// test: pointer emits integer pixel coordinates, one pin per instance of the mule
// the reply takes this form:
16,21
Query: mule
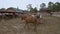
29,19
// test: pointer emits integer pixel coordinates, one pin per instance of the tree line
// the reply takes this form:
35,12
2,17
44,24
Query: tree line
54,7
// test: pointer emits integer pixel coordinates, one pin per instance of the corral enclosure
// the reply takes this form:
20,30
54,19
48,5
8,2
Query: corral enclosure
51,25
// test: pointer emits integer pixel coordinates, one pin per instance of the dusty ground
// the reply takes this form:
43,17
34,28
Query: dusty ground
16,26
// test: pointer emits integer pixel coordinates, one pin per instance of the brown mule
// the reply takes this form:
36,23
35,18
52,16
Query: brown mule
30,19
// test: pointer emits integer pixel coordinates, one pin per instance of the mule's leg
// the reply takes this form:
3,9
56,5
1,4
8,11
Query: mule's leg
35,27
25,25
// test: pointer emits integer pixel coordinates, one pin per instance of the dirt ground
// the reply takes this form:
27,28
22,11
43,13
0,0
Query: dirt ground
51,25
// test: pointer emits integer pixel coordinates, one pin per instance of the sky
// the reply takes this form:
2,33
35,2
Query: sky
21,4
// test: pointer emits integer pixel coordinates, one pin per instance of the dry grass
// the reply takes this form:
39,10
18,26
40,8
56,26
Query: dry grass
16,26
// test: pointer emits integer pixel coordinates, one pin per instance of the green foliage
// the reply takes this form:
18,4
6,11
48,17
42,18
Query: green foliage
57,6
42,5
54,6
51,6
34,10
31,9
